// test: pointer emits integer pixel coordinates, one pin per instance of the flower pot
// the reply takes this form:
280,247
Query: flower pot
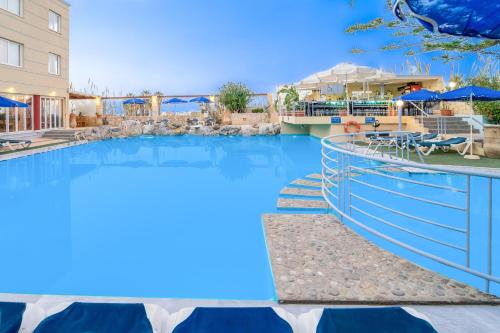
98,120
72,120
446,113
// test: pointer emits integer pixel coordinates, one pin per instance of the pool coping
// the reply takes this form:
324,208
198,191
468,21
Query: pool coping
44,149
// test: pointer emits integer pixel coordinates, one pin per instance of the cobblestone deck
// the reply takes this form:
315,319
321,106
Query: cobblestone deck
302,204
301,191
316,259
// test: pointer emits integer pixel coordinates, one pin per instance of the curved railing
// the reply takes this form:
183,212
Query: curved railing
440,214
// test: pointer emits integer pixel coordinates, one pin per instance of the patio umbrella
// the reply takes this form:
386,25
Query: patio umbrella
471,93
175,100
199,100
134,101
422,95
10,103
473,18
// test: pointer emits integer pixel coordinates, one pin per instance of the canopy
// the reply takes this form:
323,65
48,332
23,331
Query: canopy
174,101
343,73
136,101
473,18
10,103
471,92
200,100
422,95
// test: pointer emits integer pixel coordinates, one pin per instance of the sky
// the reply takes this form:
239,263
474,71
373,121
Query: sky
195,46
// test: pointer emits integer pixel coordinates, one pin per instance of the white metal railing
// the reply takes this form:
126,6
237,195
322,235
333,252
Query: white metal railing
424,215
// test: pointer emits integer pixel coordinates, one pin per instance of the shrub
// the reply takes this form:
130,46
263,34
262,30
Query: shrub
258,110
235,97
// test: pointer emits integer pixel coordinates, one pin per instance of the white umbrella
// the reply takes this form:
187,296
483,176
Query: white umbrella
343,73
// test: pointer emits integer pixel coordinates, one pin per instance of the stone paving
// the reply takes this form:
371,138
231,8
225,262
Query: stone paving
302,204
301,191
316,259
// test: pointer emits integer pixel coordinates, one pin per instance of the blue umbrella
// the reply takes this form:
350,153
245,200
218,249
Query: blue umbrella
422,95
473,18
200,100
174,101
473,93
10,103
136,101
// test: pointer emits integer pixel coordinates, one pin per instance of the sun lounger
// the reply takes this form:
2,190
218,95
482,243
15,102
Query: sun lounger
445,145
99,317
373,320
13,144
235,320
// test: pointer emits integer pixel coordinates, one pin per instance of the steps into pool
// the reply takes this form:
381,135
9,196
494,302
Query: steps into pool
303,195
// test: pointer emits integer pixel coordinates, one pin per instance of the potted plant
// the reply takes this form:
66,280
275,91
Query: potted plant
98,119
72,120
446,110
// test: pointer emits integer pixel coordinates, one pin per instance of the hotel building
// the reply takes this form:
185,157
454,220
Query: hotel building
34,64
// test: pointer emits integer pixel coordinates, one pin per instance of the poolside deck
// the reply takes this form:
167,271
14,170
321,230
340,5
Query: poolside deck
317,260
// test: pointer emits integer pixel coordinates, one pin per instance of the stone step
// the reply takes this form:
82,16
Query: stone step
305,182
453,131
301,191
302,204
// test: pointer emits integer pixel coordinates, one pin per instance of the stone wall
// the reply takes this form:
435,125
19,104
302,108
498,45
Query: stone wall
492,141
130,128
249,118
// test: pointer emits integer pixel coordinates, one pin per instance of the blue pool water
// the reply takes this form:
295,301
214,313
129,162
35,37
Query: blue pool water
175,217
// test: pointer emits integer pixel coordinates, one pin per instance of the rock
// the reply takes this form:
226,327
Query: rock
132,127
230,130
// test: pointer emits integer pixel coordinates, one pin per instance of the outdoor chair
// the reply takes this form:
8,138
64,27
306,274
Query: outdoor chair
445,145
13,144
234,320
373,320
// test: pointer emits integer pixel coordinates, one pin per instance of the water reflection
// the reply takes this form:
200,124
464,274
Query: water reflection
92,219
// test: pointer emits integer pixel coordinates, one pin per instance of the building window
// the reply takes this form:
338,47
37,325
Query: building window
54,21
13,6
17,119
51,115
54,64
10,53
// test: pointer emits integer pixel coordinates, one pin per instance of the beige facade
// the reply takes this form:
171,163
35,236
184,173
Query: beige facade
41,78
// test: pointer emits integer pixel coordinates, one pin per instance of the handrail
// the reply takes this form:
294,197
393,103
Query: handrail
377,205
405,163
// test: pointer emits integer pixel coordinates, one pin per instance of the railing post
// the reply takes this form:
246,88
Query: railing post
467,219
490,230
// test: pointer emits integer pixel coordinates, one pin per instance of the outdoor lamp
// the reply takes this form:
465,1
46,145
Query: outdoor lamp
452,84
399,103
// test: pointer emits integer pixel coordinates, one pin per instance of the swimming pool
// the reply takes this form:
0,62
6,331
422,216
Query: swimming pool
170,217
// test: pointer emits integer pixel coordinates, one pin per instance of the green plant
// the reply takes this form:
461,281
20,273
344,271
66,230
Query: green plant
488,79
258,110
235,97
290,96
